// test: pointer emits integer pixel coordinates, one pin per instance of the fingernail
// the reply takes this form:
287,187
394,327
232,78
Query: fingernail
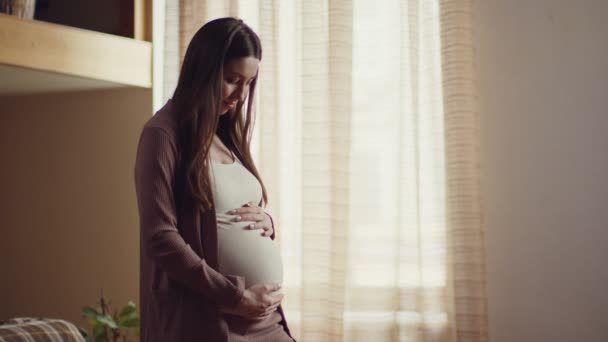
238,218
251,226
232,211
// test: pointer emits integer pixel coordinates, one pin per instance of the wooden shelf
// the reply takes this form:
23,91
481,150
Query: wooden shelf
36,56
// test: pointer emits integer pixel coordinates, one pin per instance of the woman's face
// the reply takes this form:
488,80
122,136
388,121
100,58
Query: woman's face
238,75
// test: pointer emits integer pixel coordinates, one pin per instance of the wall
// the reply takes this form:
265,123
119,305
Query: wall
68,208
544,94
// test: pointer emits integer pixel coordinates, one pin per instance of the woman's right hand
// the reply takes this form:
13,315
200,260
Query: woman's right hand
258,302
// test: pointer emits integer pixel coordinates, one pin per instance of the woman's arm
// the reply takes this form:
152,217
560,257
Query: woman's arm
154,181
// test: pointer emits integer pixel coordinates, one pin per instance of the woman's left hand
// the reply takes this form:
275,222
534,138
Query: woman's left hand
255,214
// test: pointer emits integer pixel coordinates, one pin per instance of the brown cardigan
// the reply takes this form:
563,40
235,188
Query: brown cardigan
180,287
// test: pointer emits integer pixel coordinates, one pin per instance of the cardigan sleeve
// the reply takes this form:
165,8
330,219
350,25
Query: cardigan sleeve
160,239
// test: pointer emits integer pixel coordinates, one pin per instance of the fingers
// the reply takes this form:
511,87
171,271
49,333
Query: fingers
269,311
275,302
277,299
249,217
248,214
273,308
247,209
275,295
272,287
241,211
267,231
263,289
270,304
267,300
259,221
258,225
261,225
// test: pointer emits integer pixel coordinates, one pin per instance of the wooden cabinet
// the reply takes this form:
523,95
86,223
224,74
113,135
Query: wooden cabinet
39,56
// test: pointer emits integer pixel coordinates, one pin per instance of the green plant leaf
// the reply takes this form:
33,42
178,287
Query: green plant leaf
90,312
128,309
107,320
93,322
121,321
128,316
130,323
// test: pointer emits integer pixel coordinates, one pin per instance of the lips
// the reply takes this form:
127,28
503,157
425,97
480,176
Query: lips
230,104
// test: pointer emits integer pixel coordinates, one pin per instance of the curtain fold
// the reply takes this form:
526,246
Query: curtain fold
466,267
367,138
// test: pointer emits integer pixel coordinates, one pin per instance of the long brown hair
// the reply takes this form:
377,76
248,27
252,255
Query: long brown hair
197,102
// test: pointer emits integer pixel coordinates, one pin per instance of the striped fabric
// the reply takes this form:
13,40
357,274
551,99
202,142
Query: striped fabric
34,330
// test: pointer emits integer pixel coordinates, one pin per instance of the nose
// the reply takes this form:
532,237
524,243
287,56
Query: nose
241,93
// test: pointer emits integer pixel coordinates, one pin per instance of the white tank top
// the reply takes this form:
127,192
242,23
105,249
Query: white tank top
242,251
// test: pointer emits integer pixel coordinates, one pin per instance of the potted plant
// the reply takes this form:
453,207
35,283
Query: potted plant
111,327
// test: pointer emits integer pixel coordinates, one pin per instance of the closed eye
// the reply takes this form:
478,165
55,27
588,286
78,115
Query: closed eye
236,80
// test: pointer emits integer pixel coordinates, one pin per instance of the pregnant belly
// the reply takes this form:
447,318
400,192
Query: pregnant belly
246,253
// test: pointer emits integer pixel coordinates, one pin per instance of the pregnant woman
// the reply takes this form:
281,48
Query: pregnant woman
210,270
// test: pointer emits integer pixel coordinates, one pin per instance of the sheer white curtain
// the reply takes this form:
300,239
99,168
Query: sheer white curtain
366,140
